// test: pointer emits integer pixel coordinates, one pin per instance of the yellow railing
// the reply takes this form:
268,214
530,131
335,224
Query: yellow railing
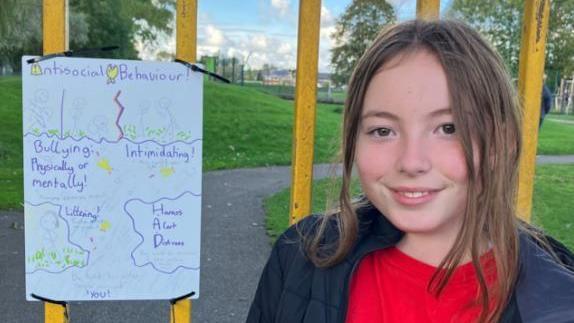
531,70
305,103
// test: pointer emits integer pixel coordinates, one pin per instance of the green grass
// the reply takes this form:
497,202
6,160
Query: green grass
242,128
553,207
554,201
11,175
246,128
288,91
556,138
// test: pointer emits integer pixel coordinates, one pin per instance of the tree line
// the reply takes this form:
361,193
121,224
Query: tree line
498,21
92,24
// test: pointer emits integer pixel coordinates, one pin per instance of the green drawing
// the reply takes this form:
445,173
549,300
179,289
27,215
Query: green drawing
130,131
183,135
55,259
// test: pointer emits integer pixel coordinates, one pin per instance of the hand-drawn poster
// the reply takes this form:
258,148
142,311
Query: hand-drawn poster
112,179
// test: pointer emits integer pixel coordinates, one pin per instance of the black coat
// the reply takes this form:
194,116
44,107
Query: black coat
292,289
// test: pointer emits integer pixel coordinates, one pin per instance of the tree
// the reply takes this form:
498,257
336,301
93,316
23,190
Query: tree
119,23
21,30
355,30
501,23
92,24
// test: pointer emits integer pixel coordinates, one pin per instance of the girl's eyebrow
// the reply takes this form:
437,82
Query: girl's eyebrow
380,114
441,112
388,115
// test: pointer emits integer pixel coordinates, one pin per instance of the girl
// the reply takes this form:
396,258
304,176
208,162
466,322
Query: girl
432,126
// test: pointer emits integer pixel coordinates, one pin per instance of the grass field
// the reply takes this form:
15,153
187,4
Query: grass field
552,208
242,128
556,138
288,91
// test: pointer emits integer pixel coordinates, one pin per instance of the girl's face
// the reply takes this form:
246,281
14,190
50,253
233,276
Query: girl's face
409,158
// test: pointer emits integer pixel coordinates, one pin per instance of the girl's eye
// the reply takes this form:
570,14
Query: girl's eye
381,132
448,129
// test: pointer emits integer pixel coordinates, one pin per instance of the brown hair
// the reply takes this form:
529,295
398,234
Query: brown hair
486,112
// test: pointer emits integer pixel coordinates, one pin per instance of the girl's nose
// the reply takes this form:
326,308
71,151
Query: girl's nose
414,159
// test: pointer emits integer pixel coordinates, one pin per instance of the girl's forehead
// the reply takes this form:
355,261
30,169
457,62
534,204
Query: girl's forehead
415,83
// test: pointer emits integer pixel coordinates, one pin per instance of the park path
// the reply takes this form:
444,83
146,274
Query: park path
561,121
234,250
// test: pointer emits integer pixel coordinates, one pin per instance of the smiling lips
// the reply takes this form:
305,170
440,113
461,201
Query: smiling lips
413,196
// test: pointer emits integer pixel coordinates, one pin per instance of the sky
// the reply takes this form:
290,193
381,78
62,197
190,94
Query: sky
265,31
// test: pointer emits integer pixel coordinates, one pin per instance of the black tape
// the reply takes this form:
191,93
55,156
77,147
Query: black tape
196,68
71,53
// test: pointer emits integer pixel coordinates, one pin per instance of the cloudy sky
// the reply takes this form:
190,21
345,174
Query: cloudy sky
265,31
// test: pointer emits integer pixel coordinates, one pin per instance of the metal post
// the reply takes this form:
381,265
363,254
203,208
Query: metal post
186,50
305,102
428,9
531,69
186,30
55,40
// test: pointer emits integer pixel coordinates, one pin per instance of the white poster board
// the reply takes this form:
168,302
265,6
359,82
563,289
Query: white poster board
112,179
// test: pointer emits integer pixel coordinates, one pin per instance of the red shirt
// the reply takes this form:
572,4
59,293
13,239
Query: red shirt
390,286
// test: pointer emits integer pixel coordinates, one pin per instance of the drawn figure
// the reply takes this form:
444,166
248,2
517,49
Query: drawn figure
98,127
38,112
112,73
158,122
78,106
164,106
49,223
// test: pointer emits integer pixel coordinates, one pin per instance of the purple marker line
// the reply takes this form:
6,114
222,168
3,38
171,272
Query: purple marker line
142,237
102,140
119,114
62,115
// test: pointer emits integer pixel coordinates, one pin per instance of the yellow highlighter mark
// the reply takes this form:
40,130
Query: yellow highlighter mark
36,69
167,171
112,73
105,226
105,165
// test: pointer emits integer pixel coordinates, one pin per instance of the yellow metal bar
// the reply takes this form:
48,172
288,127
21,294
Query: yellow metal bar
55,39
305,102
428,9
182,311
186,30
55,26
54,313
186,50
531,69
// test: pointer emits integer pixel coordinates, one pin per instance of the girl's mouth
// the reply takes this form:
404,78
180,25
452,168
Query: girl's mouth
414,196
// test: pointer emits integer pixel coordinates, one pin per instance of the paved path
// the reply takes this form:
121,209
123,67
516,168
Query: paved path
561,121
234,250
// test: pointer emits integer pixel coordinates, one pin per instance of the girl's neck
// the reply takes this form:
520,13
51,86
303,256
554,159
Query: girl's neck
430,250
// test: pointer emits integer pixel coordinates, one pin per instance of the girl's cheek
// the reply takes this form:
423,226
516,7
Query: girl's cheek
374,159
453,162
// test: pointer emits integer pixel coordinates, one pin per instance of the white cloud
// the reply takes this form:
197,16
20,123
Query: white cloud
214,36
285,49
278,48
258,42
327,18
281,5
